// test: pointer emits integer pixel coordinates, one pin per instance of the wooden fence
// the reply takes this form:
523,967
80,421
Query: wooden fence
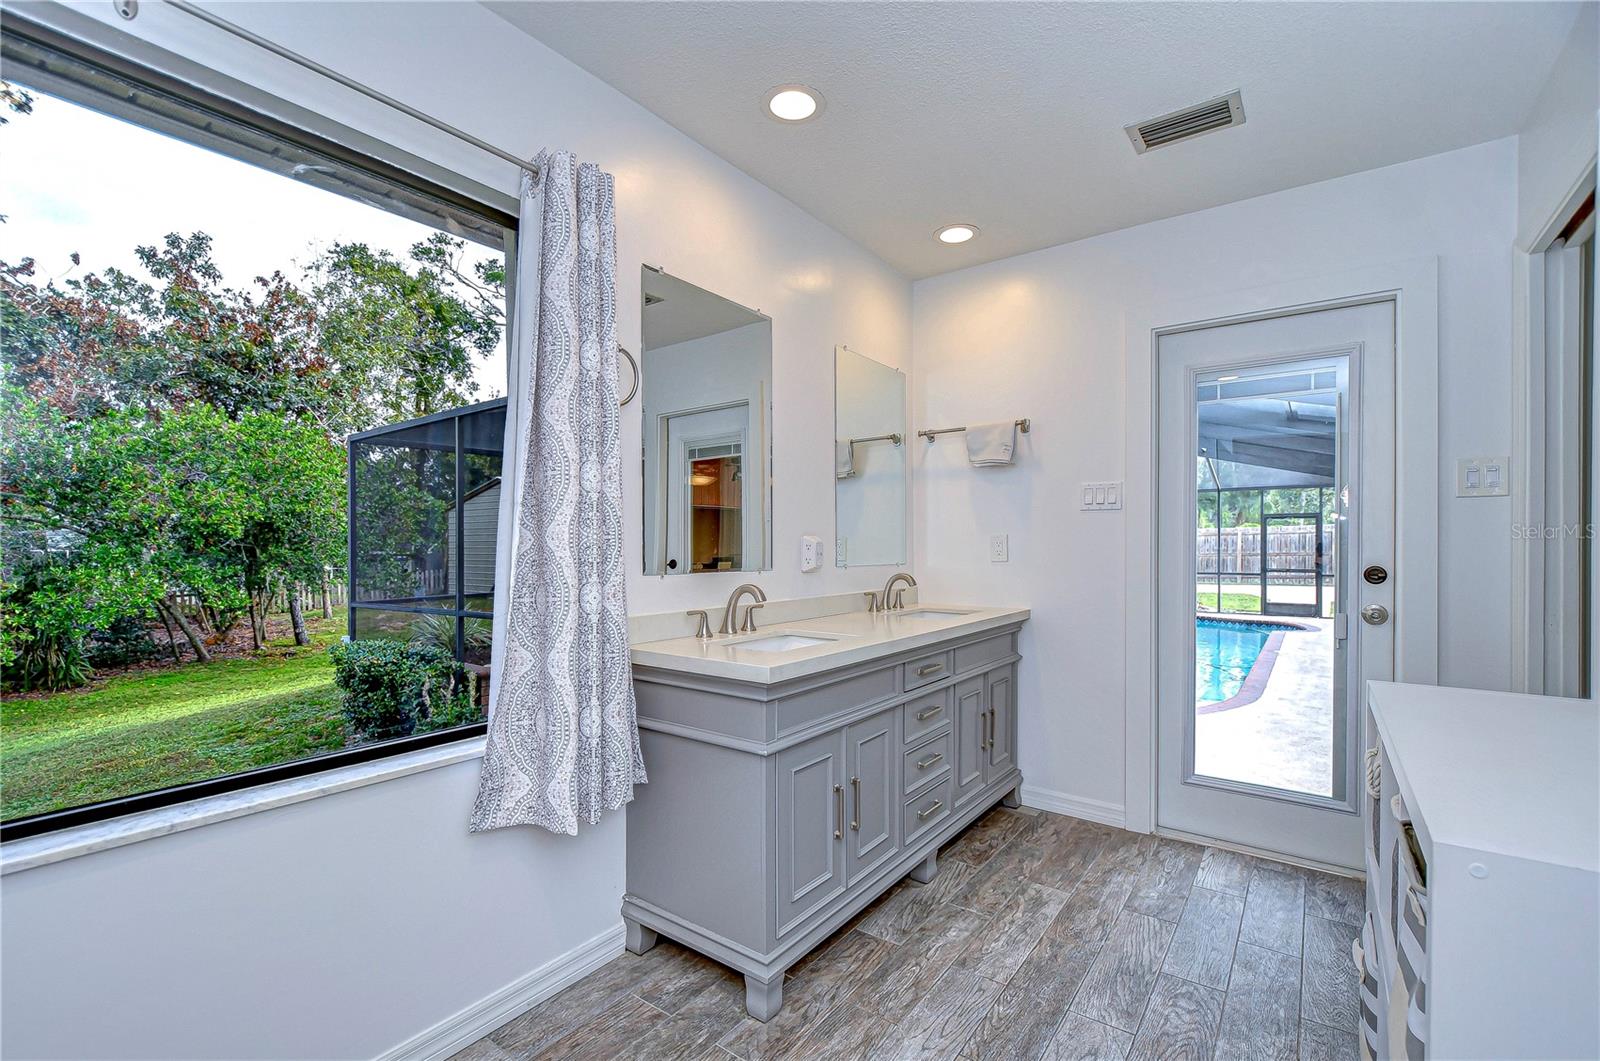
1290,546
310,597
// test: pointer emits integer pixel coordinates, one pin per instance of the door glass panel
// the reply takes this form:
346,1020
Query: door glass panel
1268,468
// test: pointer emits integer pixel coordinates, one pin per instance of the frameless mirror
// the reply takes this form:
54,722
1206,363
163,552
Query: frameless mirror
707,367
869,495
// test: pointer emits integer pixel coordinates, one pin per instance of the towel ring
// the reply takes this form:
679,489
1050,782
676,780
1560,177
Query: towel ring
623,350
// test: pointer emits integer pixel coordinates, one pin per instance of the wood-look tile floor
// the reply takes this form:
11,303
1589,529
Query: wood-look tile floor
1041,937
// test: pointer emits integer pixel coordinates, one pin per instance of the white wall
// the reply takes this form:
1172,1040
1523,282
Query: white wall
1556,146
343,926
1042,336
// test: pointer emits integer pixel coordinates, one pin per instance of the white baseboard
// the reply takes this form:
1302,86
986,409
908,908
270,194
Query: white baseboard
482,1017
1094,810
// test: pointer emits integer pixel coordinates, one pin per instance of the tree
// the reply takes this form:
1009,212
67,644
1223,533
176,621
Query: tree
402,343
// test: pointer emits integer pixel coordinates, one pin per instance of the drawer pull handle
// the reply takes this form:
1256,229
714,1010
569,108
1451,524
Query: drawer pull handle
923,716
929,668
855,790
924,815
936,757
838,811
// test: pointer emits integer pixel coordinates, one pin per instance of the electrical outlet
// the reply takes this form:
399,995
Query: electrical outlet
1100,497
999,549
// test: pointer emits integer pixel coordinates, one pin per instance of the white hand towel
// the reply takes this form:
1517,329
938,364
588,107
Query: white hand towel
844,459
989,444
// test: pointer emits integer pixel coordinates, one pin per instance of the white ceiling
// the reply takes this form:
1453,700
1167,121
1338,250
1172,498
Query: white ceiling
1011,115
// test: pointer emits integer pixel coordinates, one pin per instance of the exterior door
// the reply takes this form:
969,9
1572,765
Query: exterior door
811,826
1269,431
971,719
872,747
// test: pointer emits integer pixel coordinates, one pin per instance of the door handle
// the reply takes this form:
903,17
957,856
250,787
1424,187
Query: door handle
855,794
838,812
1374,615
987,743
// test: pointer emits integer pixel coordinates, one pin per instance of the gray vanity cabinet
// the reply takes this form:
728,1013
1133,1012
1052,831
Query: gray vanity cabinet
972,727
810,827
872,793
1002,705
776,812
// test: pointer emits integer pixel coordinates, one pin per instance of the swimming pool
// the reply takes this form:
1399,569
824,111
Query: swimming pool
1224,652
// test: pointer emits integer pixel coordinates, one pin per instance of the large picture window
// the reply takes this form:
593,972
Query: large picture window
252,415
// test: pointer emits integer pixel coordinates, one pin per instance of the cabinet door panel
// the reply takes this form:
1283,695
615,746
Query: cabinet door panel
971,729
810,856
1002,722
872,750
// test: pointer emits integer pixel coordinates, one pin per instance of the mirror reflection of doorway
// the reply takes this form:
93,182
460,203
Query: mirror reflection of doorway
708,487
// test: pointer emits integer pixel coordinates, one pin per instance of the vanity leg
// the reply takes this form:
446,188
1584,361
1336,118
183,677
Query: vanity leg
1012,799
927,869
640,939
763,998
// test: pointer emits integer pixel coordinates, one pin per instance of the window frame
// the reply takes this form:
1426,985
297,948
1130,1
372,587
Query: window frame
333,143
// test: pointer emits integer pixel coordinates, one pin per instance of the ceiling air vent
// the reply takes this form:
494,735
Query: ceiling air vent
1207,117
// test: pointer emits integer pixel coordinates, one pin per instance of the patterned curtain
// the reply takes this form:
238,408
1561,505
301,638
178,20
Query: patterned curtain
563,742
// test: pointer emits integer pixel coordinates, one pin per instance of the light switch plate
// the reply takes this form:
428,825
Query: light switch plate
1100,497
999,549
1483,477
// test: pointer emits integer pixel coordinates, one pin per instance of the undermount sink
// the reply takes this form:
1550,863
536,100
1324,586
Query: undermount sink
782,643
929,613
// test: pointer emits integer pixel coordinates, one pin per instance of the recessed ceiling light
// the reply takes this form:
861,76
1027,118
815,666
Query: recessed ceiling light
956,233
793,104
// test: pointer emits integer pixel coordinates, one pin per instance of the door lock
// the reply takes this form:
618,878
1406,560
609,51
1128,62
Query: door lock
1374,615
1375,575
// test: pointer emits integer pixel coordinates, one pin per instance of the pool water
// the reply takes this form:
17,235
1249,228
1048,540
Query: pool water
1224,652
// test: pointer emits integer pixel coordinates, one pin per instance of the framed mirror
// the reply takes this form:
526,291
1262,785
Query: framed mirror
707,367
869,495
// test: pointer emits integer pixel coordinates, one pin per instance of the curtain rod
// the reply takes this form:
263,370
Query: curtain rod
129,9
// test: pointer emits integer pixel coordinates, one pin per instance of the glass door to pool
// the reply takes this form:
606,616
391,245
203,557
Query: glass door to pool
1276,473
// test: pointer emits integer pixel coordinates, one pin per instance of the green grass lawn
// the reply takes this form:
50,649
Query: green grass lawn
1231,602
139,732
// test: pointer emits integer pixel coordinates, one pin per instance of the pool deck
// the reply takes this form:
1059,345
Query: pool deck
1284,738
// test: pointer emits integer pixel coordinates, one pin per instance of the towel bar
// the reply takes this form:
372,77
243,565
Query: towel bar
892,437
929,432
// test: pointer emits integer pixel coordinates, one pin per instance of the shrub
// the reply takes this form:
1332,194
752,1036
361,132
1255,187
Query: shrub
47,661
125,641
392,689
440,631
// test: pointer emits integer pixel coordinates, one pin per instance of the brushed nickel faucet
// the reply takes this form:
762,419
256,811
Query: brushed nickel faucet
730,615
893,601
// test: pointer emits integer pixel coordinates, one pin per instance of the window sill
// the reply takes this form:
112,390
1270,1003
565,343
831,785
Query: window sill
35,851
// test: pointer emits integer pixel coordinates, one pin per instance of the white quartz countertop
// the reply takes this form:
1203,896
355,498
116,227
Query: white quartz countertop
850,637
1503,772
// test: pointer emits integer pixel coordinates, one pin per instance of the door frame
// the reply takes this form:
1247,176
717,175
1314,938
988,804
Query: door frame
1413,286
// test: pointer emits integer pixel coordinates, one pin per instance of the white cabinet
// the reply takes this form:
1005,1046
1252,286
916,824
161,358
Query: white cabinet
1488,920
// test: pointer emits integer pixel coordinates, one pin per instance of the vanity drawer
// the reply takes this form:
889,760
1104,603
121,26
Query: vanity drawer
928,761
927,714
973,656
925,671
927,810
